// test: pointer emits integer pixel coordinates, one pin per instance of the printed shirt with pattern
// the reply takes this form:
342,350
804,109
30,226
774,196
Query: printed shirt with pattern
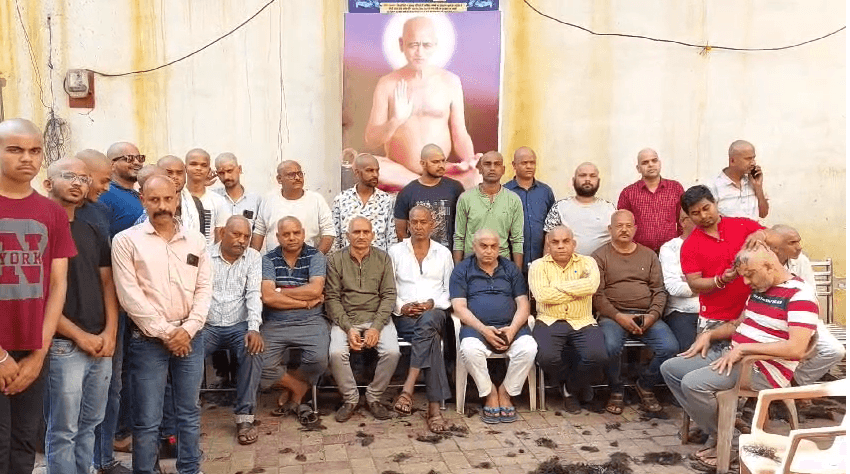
378,209
769,315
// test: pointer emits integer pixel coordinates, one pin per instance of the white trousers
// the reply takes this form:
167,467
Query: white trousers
521,354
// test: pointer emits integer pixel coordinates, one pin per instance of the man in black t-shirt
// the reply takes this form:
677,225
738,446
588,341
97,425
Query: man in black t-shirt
433,191
80,356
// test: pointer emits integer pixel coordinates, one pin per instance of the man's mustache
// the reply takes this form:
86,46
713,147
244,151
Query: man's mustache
163,213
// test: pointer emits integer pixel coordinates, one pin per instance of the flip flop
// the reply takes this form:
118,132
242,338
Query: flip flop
306,415
491,415
246,433
508,415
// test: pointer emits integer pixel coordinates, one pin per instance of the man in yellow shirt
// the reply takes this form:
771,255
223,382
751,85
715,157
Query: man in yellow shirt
568,339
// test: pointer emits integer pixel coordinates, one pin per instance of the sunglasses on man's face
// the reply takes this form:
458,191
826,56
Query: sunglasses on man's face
130,158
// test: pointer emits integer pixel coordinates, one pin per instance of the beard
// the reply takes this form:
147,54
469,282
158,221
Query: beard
586,192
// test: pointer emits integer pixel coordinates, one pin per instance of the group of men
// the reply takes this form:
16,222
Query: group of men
130,274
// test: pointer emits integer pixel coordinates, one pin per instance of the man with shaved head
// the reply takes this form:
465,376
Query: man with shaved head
122,199
165,316
365,199
240,201
739,188
235,316
418,104
630,301
585,214
490,297
778,321
490,206
91,210
785,242
215,209
434,190
537,198
293,280
36,246
81,352
422,270
292,199
571,346
360,295
654,201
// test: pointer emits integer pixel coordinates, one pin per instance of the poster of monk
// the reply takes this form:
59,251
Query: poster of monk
410,80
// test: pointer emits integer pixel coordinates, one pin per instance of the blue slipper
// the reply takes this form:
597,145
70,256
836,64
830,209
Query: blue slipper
508,415
491,415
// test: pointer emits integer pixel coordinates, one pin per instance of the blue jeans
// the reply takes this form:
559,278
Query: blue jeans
684,327
104,433
250,366
150,365
658,337
76,395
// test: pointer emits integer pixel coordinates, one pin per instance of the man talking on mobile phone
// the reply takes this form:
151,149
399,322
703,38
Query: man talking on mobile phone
738,189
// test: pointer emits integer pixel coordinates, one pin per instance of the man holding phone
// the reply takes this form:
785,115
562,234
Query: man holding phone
630,300
359,298
738,189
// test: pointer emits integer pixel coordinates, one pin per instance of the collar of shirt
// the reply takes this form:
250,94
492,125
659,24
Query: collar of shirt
500,265
115,184
662,183
215,252
727,181
351,194
365,257
431,247
484,195
223,193
148,228
514,184
574,258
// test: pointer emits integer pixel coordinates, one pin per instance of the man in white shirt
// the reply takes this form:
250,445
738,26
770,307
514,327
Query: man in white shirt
422,270
214,206
682,311
738,188
187,209
239,202
587,215
309,207
785,242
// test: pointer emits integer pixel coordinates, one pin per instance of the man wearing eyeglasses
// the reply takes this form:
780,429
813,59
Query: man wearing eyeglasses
309,207
80,356
122,199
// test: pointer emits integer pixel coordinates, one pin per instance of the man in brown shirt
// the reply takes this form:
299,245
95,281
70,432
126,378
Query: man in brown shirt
359,298
630,301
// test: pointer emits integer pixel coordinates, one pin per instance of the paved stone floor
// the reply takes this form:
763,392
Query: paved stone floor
285,448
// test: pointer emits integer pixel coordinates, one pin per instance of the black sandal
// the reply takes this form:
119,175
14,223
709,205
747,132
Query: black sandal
306,415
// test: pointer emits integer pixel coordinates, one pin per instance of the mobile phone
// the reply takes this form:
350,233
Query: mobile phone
755,172
639,320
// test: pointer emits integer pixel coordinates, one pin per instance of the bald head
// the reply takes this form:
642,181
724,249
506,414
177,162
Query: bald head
559,231
646,153
287,164
525,164
21,150
785,242
523,151
420,211
99,168
226,158
561,244
237,222
586,167
740,146
363,160
586,180
19,127
431,150
169,160
291,220
66,164
120,149
93,159
760,268
484,233
419,24
622,229
147,172
67,182
622,215
197,153
359,222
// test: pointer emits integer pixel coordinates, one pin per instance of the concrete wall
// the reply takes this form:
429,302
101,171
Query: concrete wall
273,89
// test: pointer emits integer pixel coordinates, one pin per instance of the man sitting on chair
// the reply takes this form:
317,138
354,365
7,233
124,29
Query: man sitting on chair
422,270
489,296
778,321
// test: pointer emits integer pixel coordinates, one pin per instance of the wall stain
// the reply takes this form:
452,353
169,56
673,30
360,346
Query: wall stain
149,93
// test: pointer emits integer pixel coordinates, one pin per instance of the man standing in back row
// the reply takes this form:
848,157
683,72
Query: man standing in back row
585,214
654,201
537,198
240,202
738,189
216,210
433,190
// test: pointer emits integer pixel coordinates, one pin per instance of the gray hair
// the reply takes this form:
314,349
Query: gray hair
484,232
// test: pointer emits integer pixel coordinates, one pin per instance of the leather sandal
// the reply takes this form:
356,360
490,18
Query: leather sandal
616,403
648,400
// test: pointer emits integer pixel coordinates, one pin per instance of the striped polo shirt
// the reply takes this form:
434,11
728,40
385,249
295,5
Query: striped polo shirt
768,316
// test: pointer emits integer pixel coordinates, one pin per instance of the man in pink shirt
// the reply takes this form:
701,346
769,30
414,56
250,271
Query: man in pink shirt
162,273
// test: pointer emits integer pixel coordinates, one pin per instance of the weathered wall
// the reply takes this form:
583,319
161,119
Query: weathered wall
273,89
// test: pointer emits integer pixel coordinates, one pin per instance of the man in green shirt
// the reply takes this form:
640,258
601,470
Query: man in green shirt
359,298
489,205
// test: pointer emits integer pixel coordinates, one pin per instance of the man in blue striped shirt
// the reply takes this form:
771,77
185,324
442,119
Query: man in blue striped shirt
234,319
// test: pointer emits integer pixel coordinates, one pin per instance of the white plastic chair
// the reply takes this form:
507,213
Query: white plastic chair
461,375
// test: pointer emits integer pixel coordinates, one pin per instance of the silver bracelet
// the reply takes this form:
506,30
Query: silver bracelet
4,357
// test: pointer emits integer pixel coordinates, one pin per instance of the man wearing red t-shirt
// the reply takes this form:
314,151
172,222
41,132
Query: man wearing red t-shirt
654,201
35,244
708,256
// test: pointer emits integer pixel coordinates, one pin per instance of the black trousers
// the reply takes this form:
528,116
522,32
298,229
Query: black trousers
570,355
20,418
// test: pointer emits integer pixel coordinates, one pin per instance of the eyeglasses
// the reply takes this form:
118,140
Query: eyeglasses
294,174
68,176
130,158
